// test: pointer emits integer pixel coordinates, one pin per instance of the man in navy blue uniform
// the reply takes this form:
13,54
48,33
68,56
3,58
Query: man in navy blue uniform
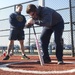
17,24
51,21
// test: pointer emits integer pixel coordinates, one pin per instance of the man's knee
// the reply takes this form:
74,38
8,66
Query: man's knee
59,41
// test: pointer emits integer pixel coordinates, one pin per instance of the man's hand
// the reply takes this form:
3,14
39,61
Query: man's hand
30,22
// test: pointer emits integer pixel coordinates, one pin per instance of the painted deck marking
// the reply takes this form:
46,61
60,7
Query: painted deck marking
5,68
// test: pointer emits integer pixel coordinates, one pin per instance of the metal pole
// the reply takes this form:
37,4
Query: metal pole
42,2
71,28
29,39
14,8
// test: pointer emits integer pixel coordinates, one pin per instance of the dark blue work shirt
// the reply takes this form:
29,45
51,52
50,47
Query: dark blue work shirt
17,21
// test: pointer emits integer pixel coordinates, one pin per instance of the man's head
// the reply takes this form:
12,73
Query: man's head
32,10
19,8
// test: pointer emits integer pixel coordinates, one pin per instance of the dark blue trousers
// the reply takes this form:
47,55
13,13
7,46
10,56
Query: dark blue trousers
45,39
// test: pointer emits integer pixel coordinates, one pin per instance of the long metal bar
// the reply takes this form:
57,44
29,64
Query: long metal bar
42,2
71,28
29,38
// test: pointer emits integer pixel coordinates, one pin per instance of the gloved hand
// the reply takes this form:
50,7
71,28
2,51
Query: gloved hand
29,23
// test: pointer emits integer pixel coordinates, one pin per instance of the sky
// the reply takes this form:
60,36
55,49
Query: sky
4,3
55,4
